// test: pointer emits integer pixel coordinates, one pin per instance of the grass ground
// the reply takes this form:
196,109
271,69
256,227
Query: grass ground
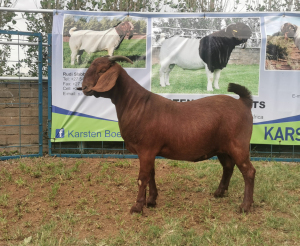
195,81
59,201
133,47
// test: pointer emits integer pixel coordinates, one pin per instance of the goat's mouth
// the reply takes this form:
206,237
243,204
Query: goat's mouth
243,40
88,93
85,92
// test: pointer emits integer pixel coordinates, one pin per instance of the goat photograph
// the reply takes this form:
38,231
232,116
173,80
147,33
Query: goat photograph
210,52
87,37
152,125
283,43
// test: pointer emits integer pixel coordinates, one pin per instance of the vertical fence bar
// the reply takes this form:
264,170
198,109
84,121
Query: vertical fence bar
271,151
40,76
20,120
49,93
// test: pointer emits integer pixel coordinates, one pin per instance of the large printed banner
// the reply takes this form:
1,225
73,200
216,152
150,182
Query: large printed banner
182,57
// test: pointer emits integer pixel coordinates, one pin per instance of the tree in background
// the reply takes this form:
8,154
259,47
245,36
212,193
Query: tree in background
272,5
43,22
6,23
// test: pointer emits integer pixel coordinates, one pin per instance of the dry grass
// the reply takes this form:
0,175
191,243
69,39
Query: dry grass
59,201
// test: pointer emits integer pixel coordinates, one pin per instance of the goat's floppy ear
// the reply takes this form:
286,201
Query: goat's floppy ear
108,79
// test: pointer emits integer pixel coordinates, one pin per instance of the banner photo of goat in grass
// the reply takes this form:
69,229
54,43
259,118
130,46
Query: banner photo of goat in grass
211,52
86,37
283,43
180,57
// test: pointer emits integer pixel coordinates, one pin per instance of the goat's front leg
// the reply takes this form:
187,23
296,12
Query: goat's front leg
210,78
228,166
146,170
216,78
151,201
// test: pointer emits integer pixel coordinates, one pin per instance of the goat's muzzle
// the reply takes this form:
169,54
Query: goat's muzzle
85,92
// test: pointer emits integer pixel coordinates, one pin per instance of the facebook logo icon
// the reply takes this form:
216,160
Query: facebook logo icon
60,133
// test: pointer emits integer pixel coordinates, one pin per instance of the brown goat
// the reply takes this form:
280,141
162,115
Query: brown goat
152,126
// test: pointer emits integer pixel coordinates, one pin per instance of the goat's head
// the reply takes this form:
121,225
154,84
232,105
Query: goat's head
125,28
288,30
102,75
240,31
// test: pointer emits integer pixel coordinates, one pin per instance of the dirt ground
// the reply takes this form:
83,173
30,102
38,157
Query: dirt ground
110,192
67,199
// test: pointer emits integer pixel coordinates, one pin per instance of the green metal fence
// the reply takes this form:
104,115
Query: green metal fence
21,136
74,149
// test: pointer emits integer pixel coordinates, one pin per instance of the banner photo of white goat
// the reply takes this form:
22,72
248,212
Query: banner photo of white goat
86,37
283,43
78,38
210,52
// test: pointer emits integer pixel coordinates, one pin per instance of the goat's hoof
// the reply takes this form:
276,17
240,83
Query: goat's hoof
136,209
220,193
245,208
151,203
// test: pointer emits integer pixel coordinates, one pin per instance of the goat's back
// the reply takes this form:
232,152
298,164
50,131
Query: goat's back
182,52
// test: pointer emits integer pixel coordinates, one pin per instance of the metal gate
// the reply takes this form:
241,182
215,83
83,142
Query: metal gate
21,102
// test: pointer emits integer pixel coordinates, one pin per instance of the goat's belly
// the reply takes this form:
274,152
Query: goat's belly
187,155
189,151
191,65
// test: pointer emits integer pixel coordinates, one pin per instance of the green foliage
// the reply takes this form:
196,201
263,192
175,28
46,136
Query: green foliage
6,23
274,5
200,27
277,48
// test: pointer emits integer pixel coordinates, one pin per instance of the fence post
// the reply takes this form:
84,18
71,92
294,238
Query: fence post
49,93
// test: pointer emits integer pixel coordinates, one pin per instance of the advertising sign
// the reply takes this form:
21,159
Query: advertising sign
182,57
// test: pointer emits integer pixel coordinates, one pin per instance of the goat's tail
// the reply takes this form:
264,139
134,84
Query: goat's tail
243,92
72,30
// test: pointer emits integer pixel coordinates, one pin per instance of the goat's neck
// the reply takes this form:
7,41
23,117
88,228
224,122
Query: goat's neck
128,94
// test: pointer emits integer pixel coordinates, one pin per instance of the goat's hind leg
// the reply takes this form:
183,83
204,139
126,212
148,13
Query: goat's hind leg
146,170
228,166
248,172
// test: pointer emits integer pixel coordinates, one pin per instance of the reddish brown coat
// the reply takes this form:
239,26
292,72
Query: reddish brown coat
152,126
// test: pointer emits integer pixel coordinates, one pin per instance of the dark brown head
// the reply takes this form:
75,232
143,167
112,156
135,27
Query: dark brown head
102,75
240,31
125,28
288,30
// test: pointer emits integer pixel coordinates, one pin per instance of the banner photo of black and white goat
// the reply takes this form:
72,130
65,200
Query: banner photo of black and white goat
86,37
202,55
283,43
